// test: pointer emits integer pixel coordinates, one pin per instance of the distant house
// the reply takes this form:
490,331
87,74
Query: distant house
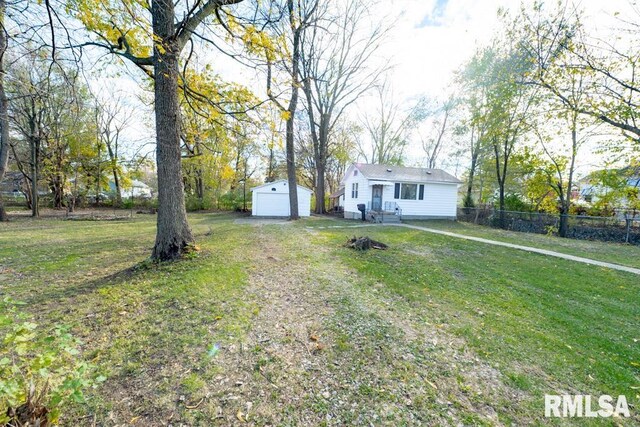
16,185
591,193
336,200
272,200
13,184
137,189
412,193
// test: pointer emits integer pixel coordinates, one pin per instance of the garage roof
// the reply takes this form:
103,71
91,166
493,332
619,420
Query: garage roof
280,181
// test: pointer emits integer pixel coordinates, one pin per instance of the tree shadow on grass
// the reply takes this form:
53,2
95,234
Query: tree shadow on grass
57,295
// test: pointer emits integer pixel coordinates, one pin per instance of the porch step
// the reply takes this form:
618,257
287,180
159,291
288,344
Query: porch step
385,217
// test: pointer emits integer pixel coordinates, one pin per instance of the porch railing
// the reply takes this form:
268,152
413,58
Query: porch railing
388,208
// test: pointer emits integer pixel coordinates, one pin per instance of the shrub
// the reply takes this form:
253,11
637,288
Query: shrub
39,375
468,202
193,203
232,201
514,202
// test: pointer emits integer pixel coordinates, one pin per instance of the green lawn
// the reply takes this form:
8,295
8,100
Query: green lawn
435,330
139,322
617,253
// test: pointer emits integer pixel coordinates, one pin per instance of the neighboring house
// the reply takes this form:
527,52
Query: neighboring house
137,189
272,200
336,200
590,193
13,184
16,185
412,193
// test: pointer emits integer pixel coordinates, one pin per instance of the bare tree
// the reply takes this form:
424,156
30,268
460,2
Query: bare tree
29,114
549,41
4,115
389,128
112,118
613,85
301,15
336,71
441,128
342,154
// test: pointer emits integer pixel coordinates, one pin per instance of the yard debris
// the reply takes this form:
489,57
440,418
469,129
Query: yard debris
196,405
364,243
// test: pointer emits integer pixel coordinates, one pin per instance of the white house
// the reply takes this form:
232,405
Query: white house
272,200
137,189
412,193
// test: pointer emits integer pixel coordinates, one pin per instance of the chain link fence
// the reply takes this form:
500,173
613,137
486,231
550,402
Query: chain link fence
622,228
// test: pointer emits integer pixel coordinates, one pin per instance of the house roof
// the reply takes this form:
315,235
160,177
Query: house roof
405,174
337,194
271,184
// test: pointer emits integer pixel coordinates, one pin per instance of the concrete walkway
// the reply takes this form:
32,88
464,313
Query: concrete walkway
525,248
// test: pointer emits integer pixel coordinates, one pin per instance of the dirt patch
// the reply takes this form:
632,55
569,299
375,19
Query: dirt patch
324,350
271,375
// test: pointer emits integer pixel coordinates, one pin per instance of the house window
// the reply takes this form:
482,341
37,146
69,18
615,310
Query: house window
355,172
408,191
396,191
354,190
421,192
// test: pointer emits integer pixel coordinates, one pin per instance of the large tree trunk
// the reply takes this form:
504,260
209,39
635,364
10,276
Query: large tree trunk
98,175
4,117
470,183
293,104
320,190
173,233
57,188
502,214
472,175
563,229
113,161
35,161
199,172
501,181
116,182
321,163
291,164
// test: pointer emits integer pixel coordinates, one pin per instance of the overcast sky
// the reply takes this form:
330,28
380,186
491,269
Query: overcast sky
434,38
429,42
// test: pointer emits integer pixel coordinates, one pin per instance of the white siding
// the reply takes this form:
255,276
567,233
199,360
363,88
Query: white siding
439,201
364,193
440,198
304,202
273,200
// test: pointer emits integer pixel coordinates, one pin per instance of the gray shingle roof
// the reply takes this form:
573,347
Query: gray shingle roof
405,174
337,194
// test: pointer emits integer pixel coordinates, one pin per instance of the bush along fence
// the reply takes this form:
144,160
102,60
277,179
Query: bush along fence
621,228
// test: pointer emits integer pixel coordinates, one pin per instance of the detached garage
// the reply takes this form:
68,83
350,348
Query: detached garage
272,200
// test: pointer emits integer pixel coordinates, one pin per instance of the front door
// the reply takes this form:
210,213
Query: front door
376,198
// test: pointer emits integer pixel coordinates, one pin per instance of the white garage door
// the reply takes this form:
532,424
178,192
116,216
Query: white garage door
272,204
